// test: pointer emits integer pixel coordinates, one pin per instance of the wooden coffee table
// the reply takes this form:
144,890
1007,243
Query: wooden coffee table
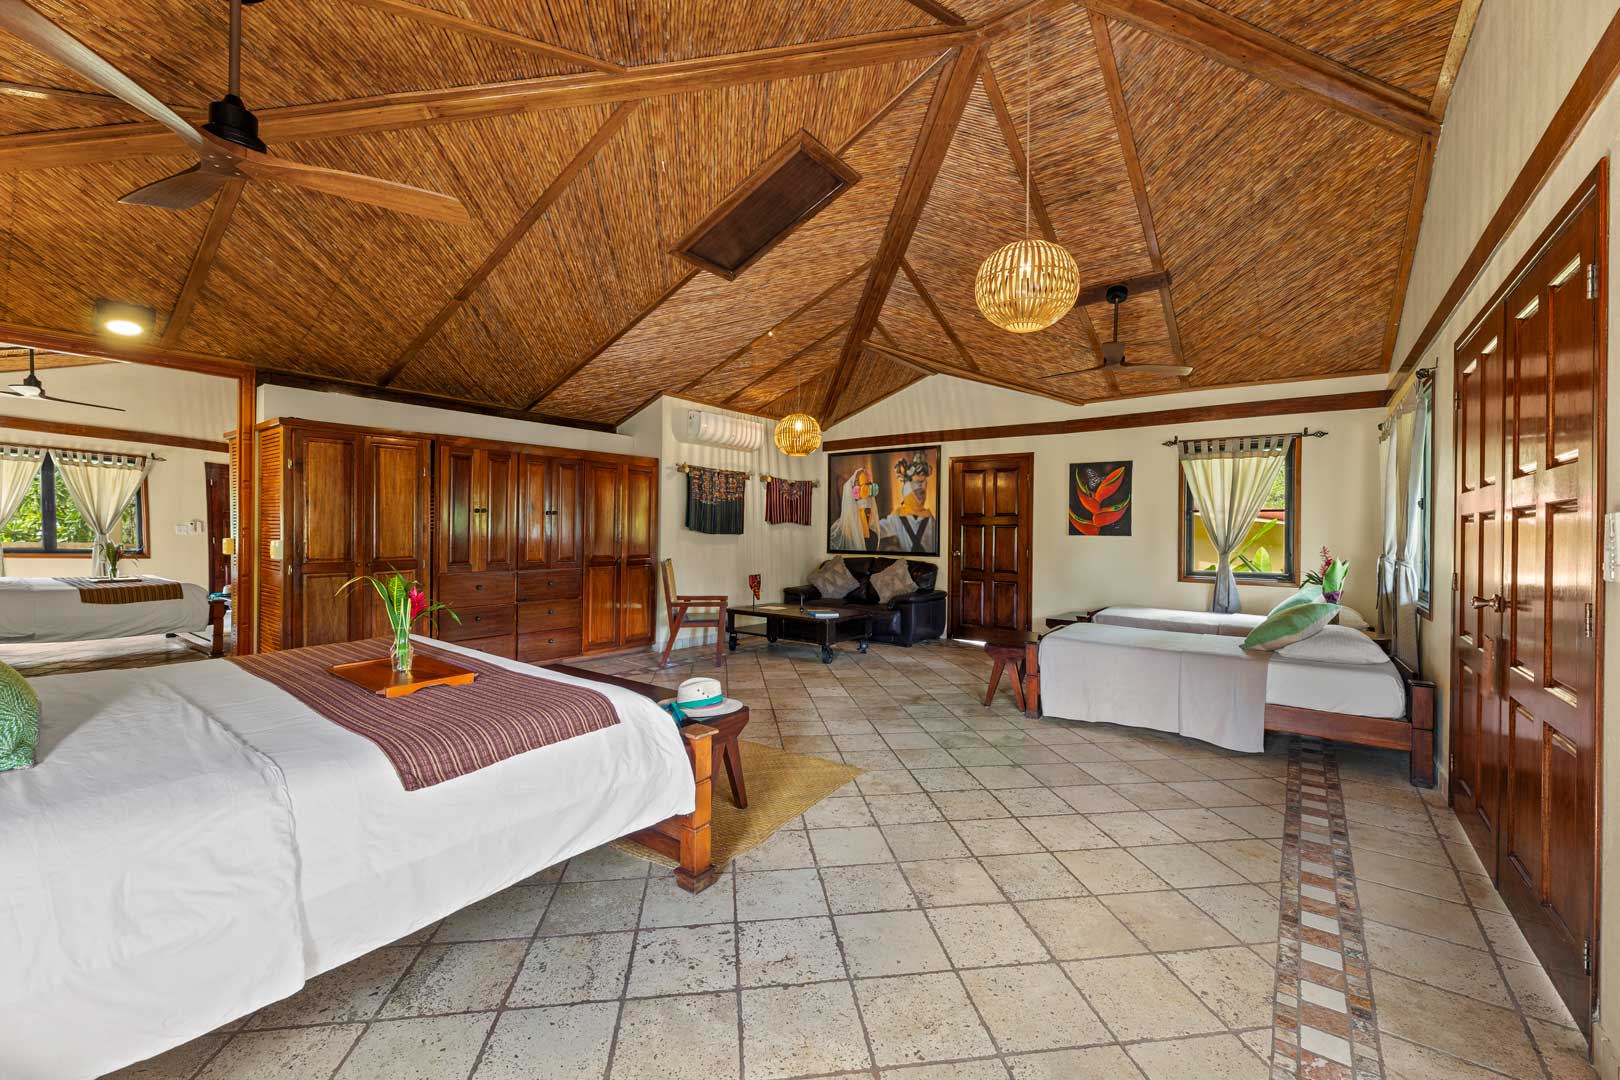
786,622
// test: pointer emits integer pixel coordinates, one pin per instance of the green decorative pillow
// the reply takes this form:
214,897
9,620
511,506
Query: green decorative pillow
1290,624
19,720
1307,594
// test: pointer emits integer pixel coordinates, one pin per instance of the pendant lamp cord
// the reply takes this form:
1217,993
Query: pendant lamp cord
1029,115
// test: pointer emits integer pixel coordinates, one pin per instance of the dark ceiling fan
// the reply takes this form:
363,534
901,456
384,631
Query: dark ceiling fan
1113,352
228,146
31,389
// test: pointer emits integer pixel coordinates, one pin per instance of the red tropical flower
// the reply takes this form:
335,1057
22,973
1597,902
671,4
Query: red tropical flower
1091,501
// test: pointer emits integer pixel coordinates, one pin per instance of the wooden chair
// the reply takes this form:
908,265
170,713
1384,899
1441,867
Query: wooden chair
678,609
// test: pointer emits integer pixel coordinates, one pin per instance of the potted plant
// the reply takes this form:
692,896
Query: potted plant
1330,577
405,602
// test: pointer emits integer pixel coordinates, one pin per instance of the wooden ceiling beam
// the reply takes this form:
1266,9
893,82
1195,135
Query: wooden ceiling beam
1206,29
935,367
945,110
467,27
296,123
428,401
935,10
1408,252
531,217
1461,34
939,316
130,352
9,88
781,366
219,220
92,431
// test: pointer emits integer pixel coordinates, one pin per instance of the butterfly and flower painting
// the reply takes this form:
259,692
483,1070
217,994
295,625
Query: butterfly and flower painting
1100,499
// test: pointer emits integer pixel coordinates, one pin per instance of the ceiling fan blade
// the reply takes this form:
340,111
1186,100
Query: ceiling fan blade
181,191
346,185
22,20
1156,369
84,404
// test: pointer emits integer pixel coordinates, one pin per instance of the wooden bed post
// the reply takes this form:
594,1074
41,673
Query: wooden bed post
685,837
1032,680
216,619
1421,710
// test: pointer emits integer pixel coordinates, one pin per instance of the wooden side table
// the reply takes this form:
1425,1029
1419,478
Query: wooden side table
1068,618
1021,652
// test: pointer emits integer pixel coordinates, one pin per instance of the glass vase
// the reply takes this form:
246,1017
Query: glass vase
402,651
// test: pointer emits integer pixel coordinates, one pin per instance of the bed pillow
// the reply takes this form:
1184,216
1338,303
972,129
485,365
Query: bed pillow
1349,616
1306,594
19,720
1335,645
892,581
1290,624
833,580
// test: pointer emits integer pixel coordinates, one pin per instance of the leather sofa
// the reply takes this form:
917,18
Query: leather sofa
905,620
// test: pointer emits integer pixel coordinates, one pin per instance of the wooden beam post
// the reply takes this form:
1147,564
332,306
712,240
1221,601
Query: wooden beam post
245,590
467,27
219,220
939,127
1231,41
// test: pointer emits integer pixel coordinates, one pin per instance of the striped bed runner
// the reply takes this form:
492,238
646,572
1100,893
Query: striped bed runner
123,591
439,733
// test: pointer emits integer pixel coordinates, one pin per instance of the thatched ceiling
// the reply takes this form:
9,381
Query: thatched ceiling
1268,157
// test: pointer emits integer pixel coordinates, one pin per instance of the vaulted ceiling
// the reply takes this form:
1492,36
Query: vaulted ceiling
1257,167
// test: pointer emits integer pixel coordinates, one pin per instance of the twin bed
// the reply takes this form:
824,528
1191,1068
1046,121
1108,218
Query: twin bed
36,610
1186,672
194,843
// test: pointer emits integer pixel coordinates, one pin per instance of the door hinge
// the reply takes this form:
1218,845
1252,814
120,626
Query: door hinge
1456,582
1456,399
1591,619
1586,956
1591,280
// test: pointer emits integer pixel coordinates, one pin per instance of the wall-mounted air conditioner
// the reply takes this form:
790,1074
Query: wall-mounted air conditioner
716,429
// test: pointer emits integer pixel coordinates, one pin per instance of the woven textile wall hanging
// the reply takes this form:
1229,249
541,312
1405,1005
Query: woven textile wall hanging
714,500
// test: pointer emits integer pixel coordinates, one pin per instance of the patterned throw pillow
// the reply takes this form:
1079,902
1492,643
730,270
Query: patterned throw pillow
833,580
1287,625
892,581
1307,594
19,720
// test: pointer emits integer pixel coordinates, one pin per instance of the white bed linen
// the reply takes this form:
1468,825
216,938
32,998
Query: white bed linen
45,609
367,861
1361,689
1203,686
1236,624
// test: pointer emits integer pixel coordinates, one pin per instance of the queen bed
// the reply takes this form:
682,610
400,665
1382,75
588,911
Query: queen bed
36,610
195,842
1205,686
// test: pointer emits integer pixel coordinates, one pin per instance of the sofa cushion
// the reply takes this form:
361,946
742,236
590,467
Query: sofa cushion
833,580
892,581
925,574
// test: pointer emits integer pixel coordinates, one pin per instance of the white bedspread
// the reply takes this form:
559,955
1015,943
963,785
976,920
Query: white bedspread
45,609
298,851
1236,624
1203,686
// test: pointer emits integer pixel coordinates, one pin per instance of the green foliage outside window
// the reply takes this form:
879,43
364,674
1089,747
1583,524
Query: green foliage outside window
70,532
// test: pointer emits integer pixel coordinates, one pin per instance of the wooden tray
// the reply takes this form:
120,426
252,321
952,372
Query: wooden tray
380,678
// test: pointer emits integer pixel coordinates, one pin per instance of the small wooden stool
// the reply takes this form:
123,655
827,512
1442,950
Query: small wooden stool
1021,653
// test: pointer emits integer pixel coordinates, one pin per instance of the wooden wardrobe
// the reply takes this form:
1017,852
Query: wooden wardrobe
543,553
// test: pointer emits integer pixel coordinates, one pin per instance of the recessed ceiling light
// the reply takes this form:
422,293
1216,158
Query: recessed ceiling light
125,320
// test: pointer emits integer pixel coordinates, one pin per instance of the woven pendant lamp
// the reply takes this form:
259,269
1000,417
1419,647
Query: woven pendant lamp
798,434
1029,284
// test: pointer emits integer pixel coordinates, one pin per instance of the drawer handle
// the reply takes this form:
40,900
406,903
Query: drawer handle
551,611
478,587
478,618
551,641
551,584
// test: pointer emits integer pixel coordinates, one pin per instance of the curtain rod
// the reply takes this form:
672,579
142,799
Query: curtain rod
1307,433
765,479
78,450
683,467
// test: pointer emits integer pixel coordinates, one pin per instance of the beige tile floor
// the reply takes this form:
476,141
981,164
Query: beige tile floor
993,899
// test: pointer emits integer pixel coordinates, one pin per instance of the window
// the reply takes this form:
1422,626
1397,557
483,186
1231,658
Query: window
1269,552
48,522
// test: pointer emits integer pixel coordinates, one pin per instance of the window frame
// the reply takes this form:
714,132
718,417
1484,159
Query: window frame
1424,602
47,508
1289,577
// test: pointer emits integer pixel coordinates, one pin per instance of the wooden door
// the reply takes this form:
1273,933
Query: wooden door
565,513
1527,742
534,499
325,552
992,515
604,489
217,476
638,579
459,549
498,509
392,516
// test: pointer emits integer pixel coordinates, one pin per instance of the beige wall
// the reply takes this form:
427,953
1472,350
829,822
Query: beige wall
708,565
1339,475
156,400
1521,62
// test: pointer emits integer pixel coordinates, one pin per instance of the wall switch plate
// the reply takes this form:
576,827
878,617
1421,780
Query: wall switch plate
275,550
1611,546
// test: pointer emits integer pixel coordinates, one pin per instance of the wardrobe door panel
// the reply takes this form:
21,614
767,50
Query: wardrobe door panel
601,629
603,489
565,514
457,503
500,510
640,503
533,511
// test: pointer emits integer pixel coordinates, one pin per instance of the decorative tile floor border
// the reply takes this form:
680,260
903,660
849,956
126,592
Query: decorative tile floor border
1326,1024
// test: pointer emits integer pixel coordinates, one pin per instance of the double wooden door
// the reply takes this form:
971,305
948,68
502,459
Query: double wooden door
991,537
478,528
1526,685
621,512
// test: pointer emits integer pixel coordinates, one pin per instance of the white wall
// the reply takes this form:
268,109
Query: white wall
706,564
156,400
1339,486
1521,62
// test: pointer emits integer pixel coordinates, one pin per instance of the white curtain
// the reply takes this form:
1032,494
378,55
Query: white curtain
1411,435
102,486
1390,552
1230,479
18,467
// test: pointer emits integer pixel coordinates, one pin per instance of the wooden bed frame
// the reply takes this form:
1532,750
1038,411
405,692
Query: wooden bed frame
216,619
684,837
1414,734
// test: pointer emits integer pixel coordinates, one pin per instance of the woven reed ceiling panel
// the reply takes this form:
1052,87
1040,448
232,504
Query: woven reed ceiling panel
1280,221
